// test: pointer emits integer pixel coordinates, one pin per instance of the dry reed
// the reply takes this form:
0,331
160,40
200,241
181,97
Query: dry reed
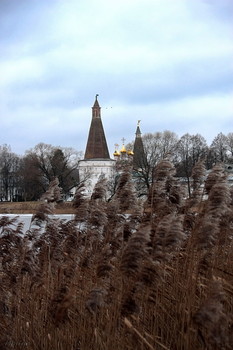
120,278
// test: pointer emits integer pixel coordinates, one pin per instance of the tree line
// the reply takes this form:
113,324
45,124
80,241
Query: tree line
26,178
184,152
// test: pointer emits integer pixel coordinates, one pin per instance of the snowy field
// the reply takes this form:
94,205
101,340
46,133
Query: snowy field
26,219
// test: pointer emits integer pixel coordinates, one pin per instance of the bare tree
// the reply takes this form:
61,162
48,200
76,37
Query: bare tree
156,147
219,148
31,182
49,162
230,145
190,149
9,179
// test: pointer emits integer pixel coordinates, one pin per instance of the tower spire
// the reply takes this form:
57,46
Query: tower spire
139,158
96,108
96,144
138,131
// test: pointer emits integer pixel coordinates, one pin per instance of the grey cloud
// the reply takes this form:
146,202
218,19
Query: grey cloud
132,58
25,26
221,9
182,80
68,87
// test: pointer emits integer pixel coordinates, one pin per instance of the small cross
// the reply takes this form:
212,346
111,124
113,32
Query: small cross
123,140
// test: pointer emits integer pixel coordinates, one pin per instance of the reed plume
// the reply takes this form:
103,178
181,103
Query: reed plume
49,199
211,319
198,175
100,190
219,199
163,170
135,252
167,237
79,197
215,176
207,232
42,213
104,266
97,216
81,204
95,300
53,193
129,304
60,305
125,191
165,196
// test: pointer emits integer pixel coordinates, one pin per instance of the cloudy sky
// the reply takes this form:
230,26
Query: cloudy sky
168,63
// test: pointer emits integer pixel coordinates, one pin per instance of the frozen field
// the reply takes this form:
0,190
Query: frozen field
26,219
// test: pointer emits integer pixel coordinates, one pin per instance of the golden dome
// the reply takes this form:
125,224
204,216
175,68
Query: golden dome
123,149
116,154
130,153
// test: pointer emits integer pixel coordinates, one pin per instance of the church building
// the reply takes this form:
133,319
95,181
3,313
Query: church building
97,161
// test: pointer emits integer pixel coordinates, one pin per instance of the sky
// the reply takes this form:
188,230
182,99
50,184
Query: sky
168,63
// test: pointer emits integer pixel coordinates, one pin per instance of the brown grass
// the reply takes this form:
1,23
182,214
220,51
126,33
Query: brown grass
32,207
144,281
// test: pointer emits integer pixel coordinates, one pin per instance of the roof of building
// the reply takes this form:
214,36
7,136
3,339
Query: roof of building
96,144
116,153
123,149
139,158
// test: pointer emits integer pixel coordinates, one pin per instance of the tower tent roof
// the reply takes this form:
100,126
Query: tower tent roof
139,158
96,144
138,131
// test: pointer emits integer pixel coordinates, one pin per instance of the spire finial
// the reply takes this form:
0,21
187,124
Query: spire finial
96,96
138,122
